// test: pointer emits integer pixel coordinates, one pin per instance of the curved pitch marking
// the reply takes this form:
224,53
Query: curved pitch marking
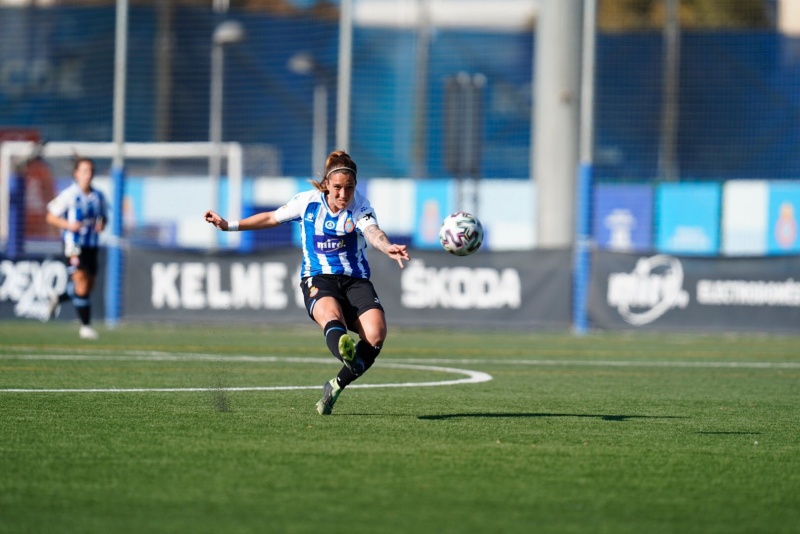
472,377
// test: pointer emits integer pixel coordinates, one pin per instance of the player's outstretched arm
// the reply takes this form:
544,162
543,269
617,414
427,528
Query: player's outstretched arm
258,221
378,239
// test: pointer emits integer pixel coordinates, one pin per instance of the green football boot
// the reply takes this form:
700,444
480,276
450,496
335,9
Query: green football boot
347,350
330,392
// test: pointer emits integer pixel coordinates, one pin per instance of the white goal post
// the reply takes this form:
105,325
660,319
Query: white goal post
12,152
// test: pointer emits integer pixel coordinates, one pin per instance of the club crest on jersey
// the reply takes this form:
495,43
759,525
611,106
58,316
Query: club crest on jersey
328,244
349,226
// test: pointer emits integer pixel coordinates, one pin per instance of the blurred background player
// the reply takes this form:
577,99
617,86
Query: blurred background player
336,223
80,212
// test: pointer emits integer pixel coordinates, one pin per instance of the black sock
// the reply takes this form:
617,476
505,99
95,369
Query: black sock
333,331
345,376
367,353
84,310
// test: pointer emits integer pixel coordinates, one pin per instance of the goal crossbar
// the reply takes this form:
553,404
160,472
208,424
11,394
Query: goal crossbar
230,152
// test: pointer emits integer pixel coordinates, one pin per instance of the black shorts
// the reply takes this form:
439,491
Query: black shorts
85,261
355,295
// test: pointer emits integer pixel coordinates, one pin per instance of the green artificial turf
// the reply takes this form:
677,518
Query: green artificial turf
601,433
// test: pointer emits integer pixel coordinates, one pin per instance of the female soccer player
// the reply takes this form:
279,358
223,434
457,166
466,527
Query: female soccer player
336,222
80,212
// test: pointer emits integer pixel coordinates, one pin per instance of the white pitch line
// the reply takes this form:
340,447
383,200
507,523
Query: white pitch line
472,377
619,363
168,356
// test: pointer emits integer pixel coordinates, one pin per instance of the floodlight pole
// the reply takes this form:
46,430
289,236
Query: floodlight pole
227,32
345,74
304,64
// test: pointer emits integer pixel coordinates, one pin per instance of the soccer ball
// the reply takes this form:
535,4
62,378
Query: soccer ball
461,233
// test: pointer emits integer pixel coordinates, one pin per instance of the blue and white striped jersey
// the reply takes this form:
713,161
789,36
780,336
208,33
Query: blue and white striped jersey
75,205
332,243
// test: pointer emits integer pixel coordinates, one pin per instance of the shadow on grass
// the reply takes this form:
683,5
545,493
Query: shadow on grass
604,417
729,433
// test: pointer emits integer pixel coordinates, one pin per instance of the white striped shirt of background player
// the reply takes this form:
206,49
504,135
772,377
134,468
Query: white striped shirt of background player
331,244
75,205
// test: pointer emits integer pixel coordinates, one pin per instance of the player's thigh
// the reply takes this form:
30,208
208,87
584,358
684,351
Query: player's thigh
323,296
327,309
366,313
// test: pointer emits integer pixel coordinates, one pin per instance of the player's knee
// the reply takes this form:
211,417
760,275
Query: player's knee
374,332
375,338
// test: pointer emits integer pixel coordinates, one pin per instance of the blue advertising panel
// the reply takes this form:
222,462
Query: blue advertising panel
784,206
432,206
623,217
688,218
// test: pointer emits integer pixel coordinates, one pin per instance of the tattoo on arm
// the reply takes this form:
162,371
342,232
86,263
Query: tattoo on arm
377,238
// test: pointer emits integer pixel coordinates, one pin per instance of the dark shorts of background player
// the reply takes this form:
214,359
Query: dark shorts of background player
85,261
355,295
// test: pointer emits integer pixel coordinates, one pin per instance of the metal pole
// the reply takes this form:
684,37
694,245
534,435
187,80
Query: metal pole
582,253
215,121
587,82
667,158
228,32
215,112
345,74
114,262
320,133
164,44
120,67
420,153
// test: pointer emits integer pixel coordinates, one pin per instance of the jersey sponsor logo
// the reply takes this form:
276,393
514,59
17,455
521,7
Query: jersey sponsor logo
328,244
330,225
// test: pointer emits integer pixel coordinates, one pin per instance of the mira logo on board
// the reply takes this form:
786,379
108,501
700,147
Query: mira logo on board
654,287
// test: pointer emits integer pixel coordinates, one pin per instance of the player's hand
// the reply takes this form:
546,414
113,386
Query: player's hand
74,226
212,217
398,253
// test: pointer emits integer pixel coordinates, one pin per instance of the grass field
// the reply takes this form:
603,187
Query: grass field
603,433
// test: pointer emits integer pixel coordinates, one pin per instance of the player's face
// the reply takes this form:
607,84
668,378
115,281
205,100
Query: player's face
341,188
84,174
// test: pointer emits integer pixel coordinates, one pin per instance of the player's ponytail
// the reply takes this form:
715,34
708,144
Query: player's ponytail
338,161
